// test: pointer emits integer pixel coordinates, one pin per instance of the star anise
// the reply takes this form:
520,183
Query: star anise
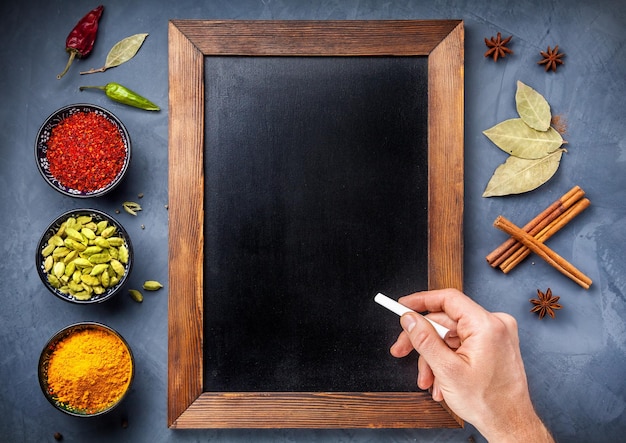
551,58
545,303
497,47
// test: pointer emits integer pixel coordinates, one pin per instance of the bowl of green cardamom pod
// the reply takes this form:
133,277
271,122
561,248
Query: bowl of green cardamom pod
84,256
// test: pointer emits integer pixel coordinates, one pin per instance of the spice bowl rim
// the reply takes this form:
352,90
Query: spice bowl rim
46,352
43,135
49,232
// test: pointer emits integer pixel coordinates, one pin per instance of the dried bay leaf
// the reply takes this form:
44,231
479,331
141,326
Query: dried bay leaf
518,175
532,107
515,137
124,50
121,52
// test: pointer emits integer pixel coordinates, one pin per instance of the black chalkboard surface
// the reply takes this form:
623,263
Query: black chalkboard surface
316,188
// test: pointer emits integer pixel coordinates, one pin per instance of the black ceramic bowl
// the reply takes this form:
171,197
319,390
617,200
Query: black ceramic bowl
62,281
86,146
93,370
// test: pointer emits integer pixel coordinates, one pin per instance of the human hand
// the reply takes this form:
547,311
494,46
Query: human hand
478,370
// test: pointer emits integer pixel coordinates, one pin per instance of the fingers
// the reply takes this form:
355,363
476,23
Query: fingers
425,376
426,341
402,347
451,301
443,319
436,392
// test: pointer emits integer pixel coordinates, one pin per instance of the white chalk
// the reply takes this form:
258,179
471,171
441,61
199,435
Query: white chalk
399,309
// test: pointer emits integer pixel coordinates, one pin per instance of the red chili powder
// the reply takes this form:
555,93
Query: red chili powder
85,151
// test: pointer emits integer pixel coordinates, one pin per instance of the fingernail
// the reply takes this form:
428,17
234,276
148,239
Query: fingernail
436,393
408,322
392,347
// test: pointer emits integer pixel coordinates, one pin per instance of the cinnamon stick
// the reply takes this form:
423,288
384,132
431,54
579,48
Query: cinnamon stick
506,249
551,257
522,252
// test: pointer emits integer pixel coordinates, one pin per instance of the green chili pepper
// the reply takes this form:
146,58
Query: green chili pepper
123,95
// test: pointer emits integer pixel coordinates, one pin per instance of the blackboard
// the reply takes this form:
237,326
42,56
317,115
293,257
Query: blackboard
311,165
316,179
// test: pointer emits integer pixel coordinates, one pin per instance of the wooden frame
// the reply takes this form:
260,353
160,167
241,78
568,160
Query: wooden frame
189,42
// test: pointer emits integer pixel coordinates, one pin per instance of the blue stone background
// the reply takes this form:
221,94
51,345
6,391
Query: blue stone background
575,364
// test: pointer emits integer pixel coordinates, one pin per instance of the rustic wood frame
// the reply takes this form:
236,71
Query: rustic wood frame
190,41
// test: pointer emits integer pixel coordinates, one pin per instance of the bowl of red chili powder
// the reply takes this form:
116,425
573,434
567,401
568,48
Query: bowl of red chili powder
86,369
83,150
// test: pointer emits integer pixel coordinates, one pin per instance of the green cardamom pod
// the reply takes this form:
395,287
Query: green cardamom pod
116,242
118,267
101,257
47,264
48,250
88,233
74,244
84,295
56,240
136,295
99,269
131,207
108,231
59,269
60,252
152,285
74,234
90,280
83,219
123,254
101,226
91,250
102,242
104,279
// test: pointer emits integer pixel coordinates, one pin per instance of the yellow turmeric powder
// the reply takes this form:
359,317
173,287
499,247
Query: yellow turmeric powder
89,370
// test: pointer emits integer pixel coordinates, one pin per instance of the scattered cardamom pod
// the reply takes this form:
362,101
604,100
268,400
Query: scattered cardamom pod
131,207
136,295
152,285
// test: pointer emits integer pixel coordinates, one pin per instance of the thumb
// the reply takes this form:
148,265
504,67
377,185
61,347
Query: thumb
427,342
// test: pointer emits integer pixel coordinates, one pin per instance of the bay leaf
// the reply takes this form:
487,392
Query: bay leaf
532,107
515,137
518,175
124,50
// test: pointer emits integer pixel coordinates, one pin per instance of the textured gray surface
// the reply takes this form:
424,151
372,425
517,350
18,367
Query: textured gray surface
575,363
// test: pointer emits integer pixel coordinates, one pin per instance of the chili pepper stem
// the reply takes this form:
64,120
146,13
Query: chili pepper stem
82,88
93,71
73,53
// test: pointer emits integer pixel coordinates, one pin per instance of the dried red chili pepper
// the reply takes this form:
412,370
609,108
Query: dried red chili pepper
85,152
81,39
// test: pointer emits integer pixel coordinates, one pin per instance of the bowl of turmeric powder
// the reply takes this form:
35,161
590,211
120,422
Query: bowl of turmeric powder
86,369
